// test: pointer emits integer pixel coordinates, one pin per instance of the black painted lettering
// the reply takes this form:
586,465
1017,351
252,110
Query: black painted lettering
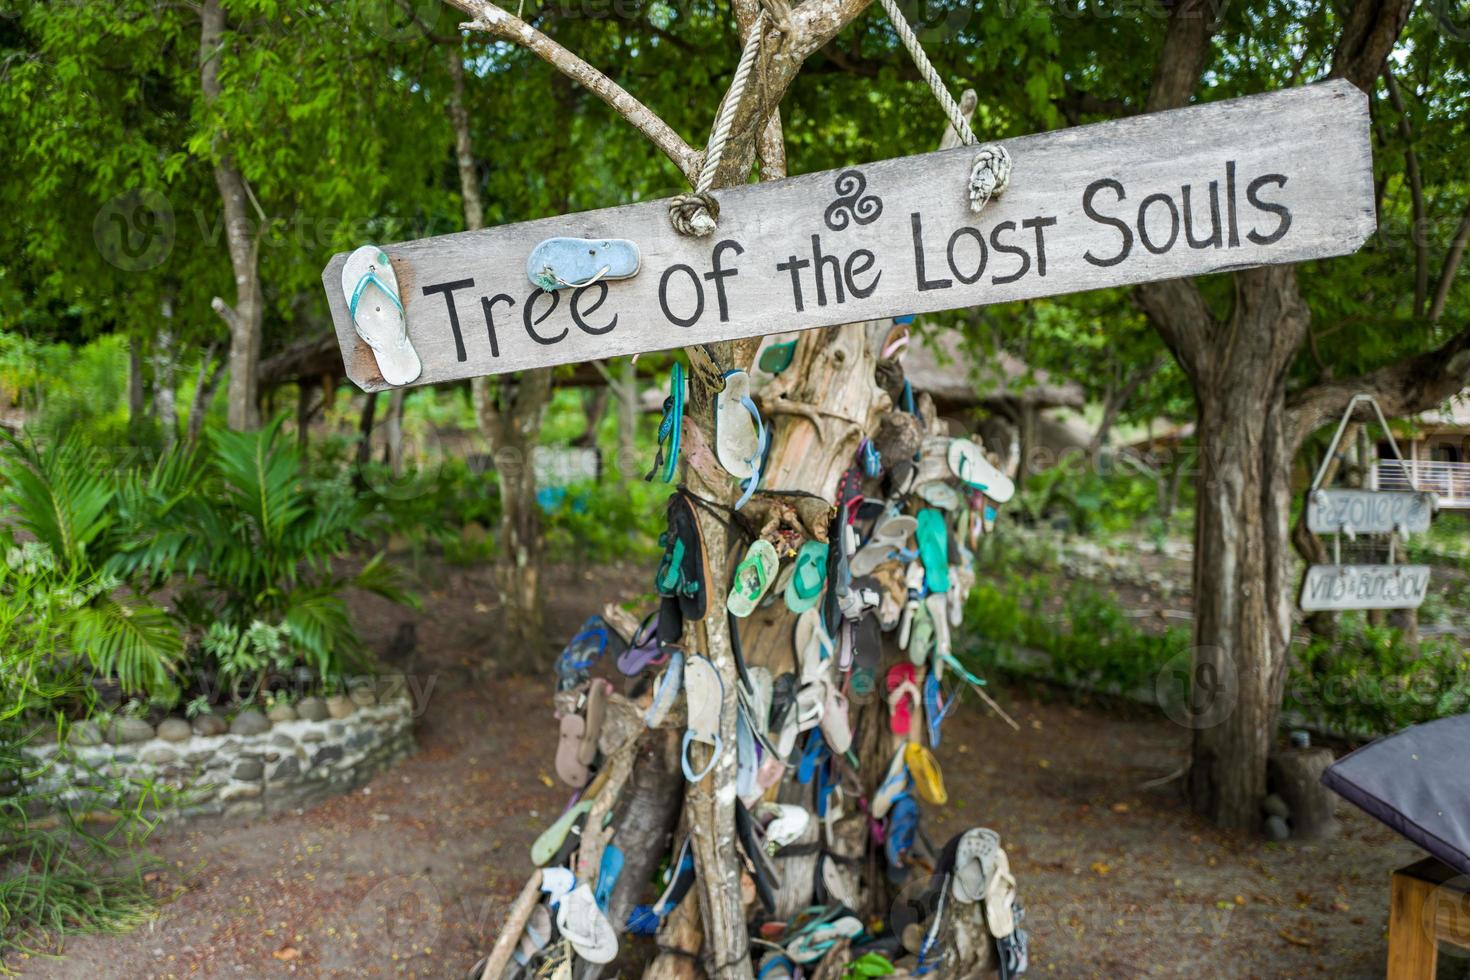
1230,209
1102,219
794,266
820,264
965,231
1040,224
529,310
924,284
718,274
487,306
574,308
1143,235
858,263
1216,238
448,289
1000,246
1280,210
663,295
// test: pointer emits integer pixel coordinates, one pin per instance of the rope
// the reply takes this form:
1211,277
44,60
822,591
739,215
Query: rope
697,214
990,173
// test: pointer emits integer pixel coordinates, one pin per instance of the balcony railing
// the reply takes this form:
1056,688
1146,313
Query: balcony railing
1450,480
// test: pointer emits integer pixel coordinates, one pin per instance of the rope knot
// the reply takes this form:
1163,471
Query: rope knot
694,214
990,175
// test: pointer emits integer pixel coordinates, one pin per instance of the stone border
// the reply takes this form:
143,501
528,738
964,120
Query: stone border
259,767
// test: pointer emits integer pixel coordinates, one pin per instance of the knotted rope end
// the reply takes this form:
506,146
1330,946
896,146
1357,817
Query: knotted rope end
694,214
990,175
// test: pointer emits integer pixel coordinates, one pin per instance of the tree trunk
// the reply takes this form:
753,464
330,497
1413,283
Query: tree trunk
244,318
594,407
365,437
165,385
205,385
510,417
1243,572
509,411
136,388
304,412
625,389
393,432
1242,598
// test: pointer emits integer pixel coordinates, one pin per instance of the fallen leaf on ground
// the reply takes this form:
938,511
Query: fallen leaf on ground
286,954
1296,940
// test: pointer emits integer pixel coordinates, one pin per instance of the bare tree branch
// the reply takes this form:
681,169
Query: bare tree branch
1368,35
1420,233
1451,266
492,20
1407,387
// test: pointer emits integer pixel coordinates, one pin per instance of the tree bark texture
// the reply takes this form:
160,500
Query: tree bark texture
509,413
245,316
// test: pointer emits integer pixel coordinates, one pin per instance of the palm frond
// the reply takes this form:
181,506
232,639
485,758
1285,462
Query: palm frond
61,496
136,643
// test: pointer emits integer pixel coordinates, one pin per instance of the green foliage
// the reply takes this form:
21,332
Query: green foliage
605,522
1087,642
256,543
248,542
1368,682
1080,498
59,874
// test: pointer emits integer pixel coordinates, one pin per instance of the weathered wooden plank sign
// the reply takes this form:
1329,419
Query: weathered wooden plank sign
1369,511
1265,179
1336,587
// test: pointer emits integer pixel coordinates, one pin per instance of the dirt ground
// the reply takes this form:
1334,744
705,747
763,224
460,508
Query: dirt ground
410,875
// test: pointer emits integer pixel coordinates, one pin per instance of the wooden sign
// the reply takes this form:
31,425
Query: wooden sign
1369,511
1338,587
1265,179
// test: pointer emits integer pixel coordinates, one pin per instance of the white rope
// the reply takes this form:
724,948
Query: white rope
698,213
990,173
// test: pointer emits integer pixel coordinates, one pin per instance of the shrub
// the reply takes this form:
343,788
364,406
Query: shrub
67,854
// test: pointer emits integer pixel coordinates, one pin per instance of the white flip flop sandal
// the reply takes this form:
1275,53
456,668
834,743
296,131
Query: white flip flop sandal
736,437
371,289
974,857
967,461
891,534
586,927
705,692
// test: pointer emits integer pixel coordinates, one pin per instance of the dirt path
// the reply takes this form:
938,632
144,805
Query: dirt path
410,874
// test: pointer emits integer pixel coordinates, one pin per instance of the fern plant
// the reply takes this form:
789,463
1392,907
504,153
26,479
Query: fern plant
63,497
258,544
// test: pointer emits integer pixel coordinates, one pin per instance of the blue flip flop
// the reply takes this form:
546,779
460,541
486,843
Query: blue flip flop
903,827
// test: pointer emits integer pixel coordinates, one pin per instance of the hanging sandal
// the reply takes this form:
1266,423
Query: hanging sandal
705,692
895,784
668,688
804,590
670,429
740,433
967,461
683,573
903,698
752,578
889,540
644,651
383,327
928,780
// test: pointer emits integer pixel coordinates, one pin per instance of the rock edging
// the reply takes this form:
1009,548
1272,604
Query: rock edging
283,766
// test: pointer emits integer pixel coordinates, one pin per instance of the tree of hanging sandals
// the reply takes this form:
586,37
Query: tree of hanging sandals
837,391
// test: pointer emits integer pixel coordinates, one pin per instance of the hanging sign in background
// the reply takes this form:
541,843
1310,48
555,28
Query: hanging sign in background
1266,179
1369,511
1337,587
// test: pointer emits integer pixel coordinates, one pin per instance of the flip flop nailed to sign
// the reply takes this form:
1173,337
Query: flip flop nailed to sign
1265,179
